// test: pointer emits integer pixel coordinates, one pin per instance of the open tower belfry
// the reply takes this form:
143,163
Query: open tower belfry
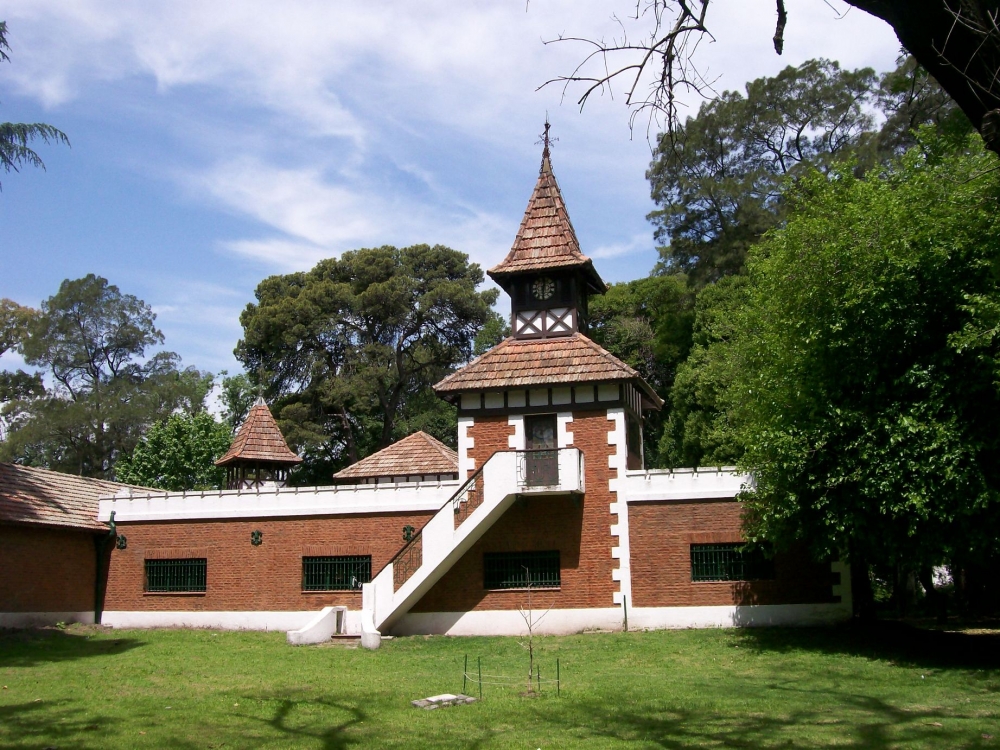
259,455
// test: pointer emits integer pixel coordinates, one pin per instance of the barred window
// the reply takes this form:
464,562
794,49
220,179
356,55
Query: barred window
183,575
519,570
342,573
729,562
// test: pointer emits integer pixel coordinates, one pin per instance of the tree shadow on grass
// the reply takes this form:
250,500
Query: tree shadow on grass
874,724
27,648
54,724
891,641
329,736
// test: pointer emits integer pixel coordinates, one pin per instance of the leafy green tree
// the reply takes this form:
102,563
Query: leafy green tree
718,178
92,340
495,330
909,97
238,393
15,137
345,350
178,454
864,373
646,323
14,321
697,431
956,41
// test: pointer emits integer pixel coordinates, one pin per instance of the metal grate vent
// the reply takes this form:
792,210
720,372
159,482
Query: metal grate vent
728,562
521,570
188,574
343,573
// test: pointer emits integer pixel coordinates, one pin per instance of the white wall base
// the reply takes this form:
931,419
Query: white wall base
509,622
657,618
294,620
491,622
40,619
566,621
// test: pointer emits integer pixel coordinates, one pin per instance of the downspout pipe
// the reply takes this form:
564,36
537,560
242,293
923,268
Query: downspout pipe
100,545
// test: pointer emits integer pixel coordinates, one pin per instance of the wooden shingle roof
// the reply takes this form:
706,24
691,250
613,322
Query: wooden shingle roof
50,498
416,454
546,239
259,439
529,363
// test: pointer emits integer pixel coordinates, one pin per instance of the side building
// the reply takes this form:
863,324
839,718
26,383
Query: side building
546,500
54,552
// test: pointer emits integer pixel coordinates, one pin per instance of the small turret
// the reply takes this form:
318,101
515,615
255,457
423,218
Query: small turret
259,455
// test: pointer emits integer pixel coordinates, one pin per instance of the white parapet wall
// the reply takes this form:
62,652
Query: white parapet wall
275,502
685,484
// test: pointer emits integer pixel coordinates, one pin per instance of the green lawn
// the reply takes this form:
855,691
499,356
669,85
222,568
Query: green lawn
89,688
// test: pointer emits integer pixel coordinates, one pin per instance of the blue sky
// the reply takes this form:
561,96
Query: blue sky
215,144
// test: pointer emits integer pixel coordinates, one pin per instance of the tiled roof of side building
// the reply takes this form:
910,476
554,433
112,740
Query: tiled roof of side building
50,498
259,439
524,363
546,239
416,454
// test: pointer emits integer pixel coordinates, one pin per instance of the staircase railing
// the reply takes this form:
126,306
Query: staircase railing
411,555
535,469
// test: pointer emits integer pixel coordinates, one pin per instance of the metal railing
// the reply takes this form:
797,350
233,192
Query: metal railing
538,468
407,560
469,497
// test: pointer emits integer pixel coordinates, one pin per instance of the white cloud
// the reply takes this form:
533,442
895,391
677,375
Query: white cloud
326,126
637,242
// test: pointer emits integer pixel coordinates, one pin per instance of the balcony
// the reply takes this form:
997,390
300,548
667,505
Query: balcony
550,471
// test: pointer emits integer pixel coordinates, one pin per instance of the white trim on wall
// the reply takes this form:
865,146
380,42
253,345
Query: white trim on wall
564,420
516,441
466,463
618,463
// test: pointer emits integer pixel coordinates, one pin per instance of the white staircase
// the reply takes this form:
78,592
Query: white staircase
458,525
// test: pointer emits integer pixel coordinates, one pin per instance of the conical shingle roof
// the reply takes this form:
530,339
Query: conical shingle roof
260,440
416,454
546,239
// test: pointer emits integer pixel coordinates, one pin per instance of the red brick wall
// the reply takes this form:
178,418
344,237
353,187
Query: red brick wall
489,435
46,570
661,535
579,528
244,577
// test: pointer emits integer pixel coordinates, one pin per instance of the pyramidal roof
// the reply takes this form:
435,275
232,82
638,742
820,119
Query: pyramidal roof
525,363
546,239
259,439
415,454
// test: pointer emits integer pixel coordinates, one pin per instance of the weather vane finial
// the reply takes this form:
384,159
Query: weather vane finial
546,140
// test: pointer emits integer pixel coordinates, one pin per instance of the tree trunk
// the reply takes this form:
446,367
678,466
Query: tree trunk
959,44
861,589
936,600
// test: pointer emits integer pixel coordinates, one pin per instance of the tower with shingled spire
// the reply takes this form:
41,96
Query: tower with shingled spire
259,455
548,369
547,277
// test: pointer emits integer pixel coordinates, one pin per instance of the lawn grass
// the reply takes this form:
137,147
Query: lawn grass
92,688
